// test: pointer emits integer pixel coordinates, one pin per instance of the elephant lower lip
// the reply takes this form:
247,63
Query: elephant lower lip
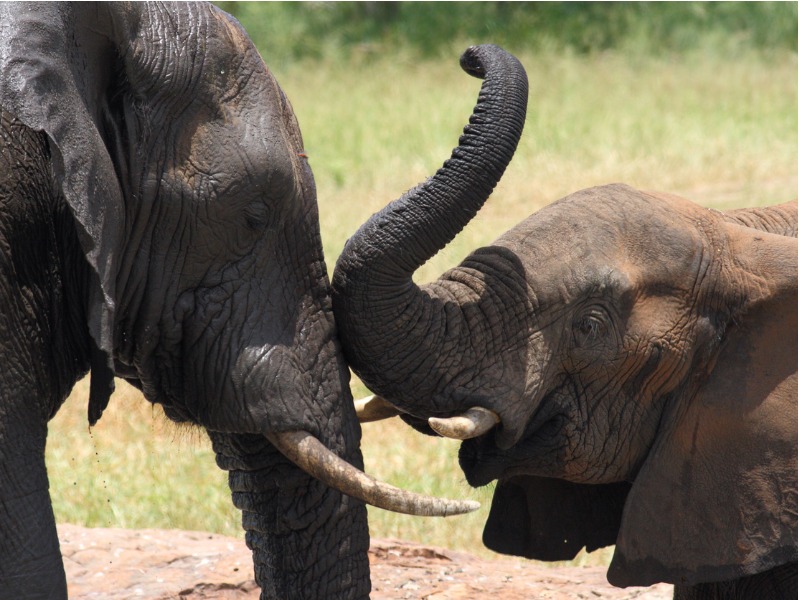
483,461
479,479
476,458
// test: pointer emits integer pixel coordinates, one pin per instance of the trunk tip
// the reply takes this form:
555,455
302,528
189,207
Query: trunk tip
475,59
471,62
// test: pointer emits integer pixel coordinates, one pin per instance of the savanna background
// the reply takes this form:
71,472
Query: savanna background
697,99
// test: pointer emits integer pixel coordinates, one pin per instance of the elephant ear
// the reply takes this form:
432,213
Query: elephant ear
54,77
716,499
552,519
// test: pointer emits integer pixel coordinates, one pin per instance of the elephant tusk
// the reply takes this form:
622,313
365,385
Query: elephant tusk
308,453
470,424
374,408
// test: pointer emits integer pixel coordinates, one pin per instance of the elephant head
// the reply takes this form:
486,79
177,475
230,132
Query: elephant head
623,363
200,276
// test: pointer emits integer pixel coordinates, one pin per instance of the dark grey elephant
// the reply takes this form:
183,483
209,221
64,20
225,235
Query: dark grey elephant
158,222
623,363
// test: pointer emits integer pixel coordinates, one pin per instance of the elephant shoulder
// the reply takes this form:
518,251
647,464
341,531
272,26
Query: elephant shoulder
780,218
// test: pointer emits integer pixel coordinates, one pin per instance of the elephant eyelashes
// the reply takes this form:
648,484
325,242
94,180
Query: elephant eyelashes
591,327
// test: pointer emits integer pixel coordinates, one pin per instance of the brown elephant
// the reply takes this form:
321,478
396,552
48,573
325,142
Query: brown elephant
623,363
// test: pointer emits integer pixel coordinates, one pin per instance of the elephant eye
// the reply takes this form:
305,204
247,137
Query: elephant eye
590,327
257,215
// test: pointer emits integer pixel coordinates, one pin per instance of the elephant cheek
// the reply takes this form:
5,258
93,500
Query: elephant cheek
275,391
268,390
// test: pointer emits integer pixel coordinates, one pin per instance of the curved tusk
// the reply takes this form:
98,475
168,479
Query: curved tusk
308,453
374,408
470,424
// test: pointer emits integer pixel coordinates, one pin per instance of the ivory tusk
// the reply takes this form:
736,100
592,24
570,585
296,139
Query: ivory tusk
374,408
470,424
311,455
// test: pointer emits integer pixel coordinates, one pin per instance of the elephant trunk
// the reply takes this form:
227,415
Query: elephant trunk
379,311
308,540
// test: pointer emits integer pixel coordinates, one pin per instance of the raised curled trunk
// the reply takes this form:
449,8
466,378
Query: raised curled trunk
393,332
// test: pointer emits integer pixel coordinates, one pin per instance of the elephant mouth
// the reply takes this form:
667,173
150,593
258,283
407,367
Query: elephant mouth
485,454
483,460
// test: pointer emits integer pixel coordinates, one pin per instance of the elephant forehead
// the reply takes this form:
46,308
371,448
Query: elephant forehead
562,260
609,234
190,52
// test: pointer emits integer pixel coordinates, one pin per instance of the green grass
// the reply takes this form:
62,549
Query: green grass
287,32
721,132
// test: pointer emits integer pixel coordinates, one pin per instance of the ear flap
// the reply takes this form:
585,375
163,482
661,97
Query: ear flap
52,78
717,497
552,519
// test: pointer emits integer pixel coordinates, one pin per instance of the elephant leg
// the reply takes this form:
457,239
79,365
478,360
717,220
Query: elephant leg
36,369
778,583
30,559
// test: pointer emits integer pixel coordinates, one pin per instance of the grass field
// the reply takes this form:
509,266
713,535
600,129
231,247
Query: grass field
722,132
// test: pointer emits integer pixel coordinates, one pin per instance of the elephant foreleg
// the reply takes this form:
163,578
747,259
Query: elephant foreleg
30,560
32,385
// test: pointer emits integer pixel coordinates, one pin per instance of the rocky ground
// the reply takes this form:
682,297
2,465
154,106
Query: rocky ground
117,564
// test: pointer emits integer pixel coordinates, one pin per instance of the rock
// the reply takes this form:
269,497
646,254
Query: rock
124,564
111,564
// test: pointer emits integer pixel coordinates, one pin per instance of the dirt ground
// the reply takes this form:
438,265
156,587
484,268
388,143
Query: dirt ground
159,565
